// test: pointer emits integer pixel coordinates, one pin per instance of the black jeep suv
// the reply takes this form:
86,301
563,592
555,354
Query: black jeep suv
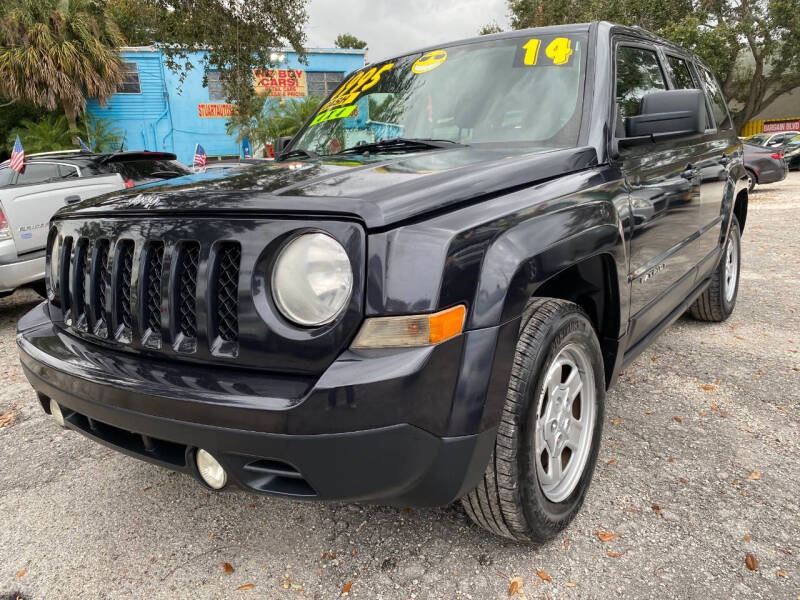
426,298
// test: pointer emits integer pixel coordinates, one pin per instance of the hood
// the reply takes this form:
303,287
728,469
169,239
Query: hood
377,190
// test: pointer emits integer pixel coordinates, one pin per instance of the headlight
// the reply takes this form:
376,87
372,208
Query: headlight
312,280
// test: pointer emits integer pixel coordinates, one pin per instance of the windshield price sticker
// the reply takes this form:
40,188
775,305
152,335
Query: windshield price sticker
335,113
355,86
429,61
548,52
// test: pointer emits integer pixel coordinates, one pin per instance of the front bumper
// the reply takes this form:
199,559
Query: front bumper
16,272
372,428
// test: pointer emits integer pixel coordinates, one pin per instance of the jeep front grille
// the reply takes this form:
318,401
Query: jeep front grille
124,291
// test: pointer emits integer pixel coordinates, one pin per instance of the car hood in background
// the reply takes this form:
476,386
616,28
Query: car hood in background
377,190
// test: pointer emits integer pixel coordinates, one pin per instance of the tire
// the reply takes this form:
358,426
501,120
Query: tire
752,180
517,497
39,287
717,302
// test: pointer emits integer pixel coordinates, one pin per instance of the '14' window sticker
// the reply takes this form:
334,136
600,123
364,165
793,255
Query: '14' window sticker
557,52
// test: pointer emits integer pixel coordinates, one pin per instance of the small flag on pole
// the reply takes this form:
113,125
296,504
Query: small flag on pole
84,147
248,153
199,156
17,162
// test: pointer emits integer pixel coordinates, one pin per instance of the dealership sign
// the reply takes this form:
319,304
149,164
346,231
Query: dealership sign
778,126
215,111
280,83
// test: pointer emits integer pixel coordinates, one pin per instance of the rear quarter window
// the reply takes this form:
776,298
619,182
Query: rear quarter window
148,171
6,176
37,173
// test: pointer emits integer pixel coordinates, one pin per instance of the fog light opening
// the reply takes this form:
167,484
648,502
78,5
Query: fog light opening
211,471
55,411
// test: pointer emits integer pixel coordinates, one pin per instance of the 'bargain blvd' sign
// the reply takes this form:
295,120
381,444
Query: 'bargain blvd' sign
778,126
280,83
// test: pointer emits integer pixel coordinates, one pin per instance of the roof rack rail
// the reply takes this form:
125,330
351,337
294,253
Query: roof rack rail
78,151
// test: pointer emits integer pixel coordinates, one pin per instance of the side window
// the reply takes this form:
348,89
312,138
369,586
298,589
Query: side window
130,79
718,107
681,75
67,172
37,173
216,91
6,177
638,73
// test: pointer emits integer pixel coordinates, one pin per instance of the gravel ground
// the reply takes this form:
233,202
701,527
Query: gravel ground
698,468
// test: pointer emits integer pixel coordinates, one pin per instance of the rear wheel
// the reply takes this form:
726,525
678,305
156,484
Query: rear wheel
717,302
550,428
751,180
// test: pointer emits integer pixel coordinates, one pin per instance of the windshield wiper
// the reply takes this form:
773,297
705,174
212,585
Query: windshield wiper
401,143
298,152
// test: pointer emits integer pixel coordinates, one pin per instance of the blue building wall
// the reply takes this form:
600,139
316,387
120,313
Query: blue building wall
164,116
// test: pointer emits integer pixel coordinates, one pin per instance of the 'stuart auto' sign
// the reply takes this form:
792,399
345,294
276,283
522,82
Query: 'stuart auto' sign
280,83
215,111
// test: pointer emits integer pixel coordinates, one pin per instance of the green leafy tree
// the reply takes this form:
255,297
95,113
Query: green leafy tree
346,40
11,115
101,134
45,135
235,37
753,46
55,53
490,28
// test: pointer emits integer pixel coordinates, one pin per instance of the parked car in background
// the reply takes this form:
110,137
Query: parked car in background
771,140
791,152
51,180
763,165
231,163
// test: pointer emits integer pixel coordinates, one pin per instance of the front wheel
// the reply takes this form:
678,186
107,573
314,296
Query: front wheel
751,180
550,428
717,302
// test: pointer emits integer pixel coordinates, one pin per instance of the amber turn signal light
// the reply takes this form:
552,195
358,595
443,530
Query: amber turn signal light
411,330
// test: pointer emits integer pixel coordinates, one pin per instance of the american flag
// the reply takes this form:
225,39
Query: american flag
17,161
199,156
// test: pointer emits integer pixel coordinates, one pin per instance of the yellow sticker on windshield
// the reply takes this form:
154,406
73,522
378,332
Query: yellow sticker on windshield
429,61
336,113
557,49
351,89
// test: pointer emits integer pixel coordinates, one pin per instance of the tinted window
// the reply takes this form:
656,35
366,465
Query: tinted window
37,173
718,107
6,175
147,171
67,171
130,79
638,73
681,76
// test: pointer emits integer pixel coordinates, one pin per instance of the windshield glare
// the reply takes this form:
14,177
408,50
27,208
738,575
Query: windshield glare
519,92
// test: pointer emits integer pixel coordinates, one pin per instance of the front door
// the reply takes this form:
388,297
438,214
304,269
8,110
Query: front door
664,186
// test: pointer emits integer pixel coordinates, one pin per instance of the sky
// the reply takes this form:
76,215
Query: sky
393,27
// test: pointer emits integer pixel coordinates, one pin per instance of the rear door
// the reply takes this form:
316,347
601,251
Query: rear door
39,191
720,151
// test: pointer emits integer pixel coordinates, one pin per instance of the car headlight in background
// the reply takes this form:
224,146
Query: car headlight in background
312,279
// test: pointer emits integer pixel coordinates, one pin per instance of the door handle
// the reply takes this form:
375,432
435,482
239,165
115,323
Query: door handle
72,199
688,173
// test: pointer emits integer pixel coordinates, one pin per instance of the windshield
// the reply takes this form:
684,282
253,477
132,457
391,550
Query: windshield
519,92
795,141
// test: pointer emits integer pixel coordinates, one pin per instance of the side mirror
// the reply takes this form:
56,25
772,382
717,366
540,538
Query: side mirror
671,113
281,143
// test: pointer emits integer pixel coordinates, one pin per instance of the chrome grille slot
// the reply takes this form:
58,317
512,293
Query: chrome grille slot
64,262
123,270
151,319
188,265
101,283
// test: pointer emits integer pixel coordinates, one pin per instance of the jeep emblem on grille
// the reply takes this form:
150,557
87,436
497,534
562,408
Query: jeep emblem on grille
143,201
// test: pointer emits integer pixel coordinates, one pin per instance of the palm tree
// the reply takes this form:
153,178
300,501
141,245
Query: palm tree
55,53
101,134
291,114
47,134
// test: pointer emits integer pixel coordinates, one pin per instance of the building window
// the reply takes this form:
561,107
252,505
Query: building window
216,91
322,83
130,79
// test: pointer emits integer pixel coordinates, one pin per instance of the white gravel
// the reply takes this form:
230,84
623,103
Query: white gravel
81,521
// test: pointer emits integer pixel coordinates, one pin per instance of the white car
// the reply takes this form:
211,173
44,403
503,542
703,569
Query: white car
772,140
51,180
